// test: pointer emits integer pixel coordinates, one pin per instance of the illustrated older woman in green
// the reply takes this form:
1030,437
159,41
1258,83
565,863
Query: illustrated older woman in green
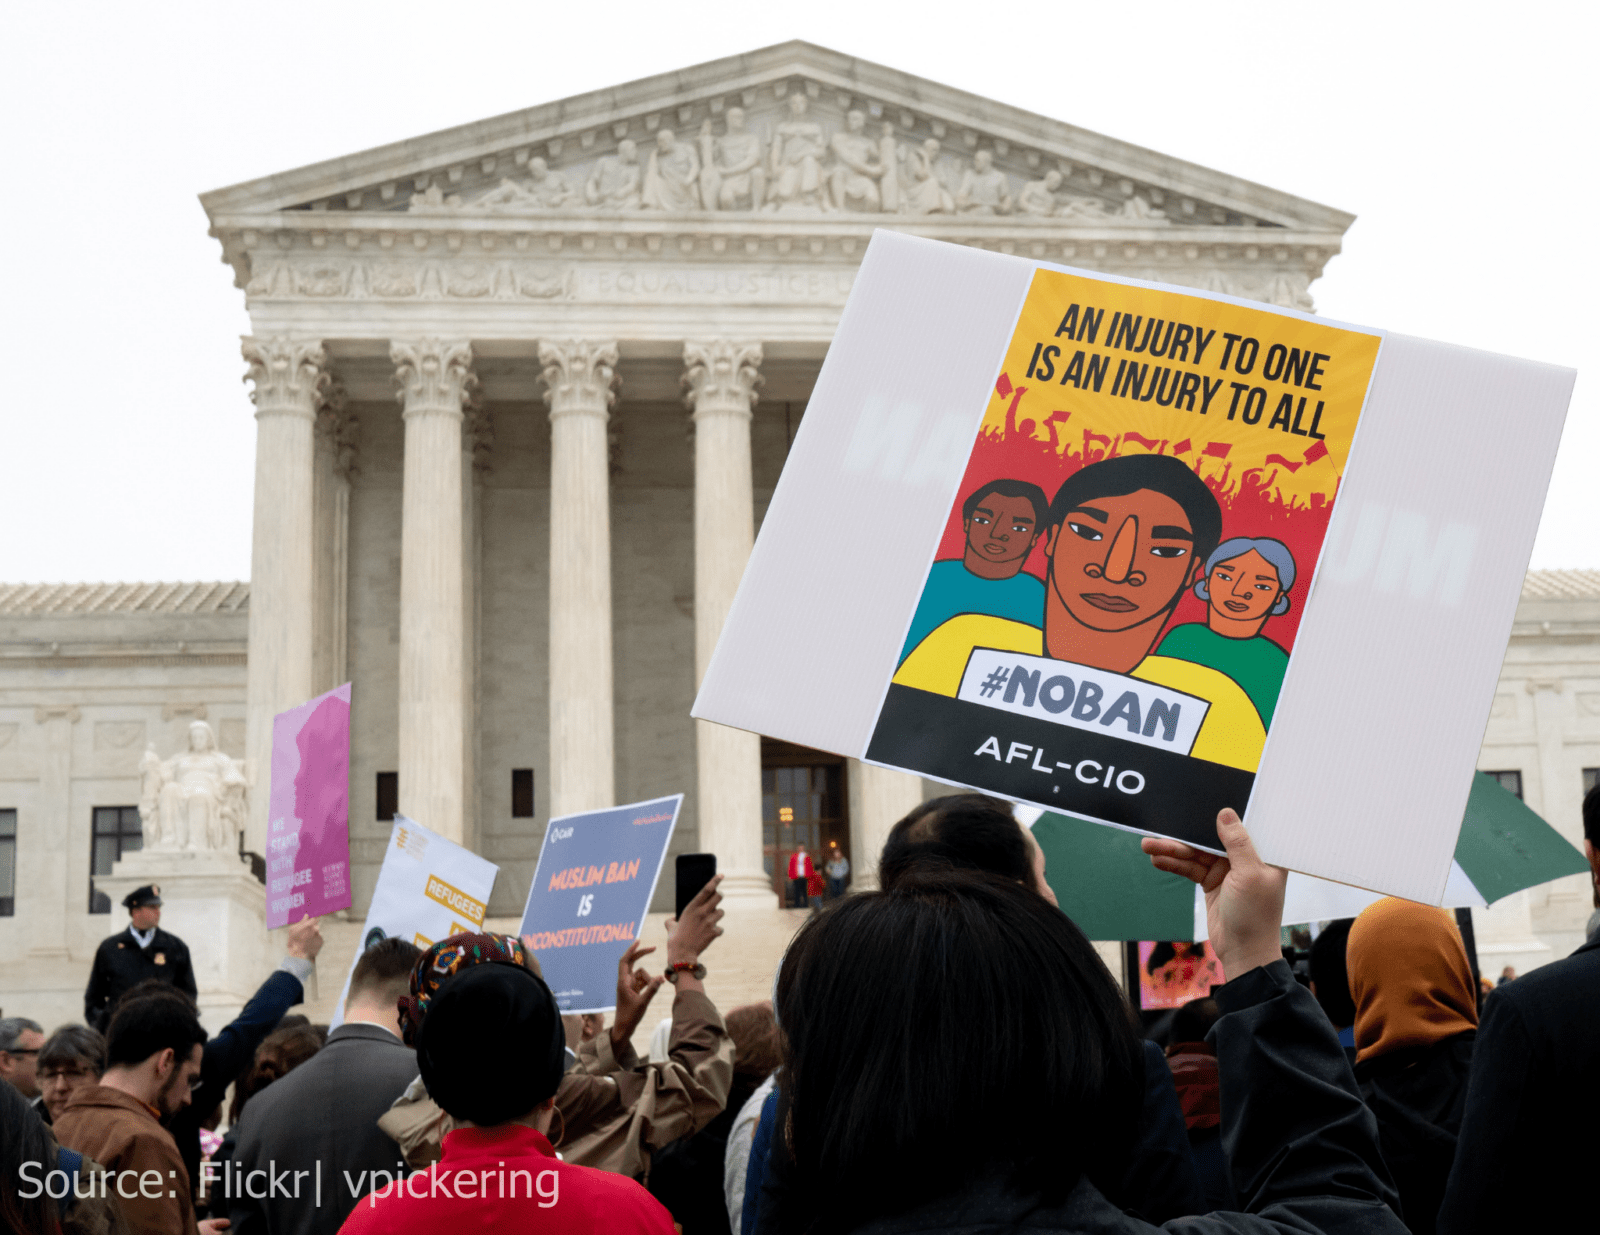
1246,582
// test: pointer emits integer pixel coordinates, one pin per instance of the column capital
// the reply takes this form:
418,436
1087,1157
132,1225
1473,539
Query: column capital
721,377
435,376
289,373
580,376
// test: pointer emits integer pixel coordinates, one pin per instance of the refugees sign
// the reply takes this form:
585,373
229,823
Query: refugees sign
1141,552
308,810
597,872
428,889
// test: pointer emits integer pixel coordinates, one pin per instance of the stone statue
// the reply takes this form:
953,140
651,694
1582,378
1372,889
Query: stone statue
195,800
544,190
614,183
1038,197
731,175
984,189
1081,208
796,162
864,177
924,191
1137,208
672,177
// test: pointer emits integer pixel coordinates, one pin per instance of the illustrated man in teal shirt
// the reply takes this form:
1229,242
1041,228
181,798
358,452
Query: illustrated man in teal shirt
1003,519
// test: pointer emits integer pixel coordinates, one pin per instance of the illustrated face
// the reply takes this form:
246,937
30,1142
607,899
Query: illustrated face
983,160
1244,588
1002,529
1118,561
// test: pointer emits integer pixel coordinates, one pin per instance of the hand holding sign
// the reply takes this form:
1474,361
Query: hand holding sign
1244,896
305,939
635,990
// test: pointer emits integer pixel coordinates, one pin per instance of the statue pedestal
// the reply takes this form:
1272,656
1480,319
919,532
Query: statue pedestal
212,902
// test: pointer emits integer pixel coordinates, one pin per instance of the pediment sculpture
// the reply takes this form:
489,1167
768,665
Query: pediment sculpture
195,800
791,160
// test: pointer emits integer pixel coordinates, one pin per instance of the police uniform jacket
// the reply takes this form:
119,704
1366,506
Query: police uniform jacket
120,964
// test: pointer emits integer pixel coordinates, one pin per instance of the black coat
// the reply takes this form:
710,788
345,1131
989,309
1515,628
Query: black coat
1303,1146
1418,1095
322,1118
120,964
1529,1141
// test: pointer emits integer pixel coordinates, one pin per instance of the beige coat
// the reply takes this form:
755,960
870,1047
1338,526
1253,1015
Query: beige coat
614,1109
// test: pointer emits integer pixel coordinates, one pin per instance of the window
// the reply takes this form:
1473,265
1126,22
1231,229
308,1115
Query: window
522,793
116,832
1590,776
1509,781
8,863
388,796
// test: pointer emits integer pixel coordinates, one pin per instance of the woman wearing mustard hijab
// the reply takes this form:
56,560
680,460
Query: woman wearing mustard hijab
1416,1019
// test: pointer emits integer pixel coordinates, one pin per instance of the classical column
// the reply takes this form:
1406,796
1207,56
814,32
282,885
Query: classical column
43,857
289,379
435,379
879,798
721,378
580,379
336,437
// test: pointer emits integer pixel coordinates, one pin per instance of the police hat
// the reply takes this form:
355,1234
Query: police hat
140,898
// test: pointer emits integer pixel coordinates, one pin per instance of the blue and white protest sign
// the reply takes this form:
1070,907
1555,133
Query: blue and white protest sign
597,872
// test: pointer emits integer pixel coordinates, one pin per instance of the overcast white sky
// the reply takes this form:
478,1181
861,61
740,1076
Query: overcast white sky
1463,136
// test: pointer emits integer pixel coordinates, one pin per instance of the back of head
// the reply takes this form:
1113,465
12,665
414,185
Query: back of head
383,974
1330,973
281,1052
953,1001
1193,1021
74,1046
491,1047
144,1027
1409,977
1591,816
24,1140
961,831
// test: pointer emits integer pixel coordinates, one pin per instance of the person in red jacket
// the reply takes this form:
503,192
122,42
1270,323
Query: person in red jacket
491,1052
800,866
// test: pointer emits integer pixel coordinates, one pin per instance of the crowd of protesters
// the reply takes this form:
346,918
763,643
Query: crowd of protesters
945,1053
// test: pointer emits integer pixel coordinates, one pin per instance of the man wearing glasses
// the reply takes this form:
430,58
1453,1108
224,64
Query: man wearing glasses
20,1040
153,1056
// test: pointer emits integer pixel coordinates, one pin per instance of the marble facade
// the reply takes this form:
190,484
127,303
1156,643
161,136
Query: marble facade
522,391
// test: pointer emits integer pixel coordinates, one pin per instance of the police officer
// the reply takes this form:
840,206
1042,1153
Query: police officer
142,951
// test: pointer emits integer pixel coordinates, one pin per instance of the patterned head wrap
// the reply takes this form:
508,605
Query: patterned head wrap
443,961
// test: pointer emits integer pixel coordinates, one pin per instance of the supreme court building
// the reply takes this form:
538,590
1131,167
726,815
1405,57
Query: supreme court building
522,390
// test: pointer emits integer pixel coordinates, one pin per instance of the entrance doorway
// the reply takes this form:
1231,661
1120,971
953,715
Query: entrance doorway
804,800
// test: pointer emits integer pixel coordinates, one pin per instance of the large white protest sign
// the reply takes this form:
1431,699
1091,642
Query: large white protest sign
1139,552
428,889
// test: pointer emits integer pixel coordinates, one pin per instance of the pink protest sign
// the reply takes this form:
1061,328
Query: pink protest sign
308,819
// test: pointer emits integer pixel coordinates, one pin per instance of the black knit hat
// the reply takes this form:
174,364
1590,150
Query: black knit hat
491,1047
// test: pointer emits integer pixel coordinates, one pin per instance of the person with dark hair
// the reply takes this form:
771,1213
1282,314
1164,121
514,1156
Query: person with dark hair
326,1110
26,1155
1416,1024
1125,538
969,831
280,1053
20,1042
141,952
687,1175
1330,981
1193,1061
492,1052
153,1058
907,1128
1528,1140
1003,520
72,1057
